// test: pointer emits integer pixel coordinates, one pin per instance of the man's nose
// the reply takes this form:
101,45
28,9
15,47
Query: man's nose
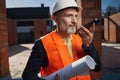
74,20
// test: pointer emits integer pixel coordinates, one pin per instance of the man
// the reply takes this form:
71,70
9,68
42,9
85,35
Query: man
61,47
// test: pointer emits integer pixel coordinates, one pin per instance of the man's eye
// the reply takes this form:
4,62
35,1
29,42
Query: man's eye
69,15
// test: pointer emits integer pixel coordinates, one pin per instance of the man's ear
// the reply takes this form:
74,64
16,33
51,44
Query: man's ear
53,18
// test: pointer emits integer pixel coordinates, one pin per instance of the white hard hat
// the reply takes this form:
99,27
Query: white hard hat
62,4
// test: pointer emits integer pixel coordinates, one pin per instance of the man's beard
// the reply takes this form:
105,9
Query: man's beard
71,30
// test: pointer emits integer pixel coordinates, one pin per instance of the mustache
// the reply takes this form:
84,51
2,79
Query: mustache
73,25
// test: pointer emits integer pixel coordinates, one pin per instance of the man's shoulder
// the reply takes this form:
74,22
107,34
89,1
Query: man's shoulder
47,35
37,41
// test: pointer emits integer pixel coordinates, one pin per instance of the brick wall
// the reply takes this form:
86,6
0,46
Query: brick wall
4,65
12,32
92,9
40,28
112,28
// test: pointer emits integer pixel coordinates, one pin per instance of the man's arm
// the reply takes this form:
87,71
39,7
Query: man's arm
93,52
37,59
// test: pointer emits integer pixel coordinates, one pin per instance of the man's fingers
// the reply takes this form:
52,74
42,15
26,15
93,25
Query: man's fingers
92,28
84,32
86,35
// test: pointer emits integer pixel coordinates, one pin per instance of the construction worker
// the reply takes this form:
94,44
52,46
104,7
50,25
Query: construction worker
62,46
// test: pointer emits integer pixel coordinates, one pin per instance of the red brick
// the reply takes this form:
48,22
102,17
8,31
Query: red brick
5,33
40,28
92,10
88,4
2,18
2,28
12,33
4,65
111,28
98,28
86,20
85,12
97,4
4,49
94,13
97,36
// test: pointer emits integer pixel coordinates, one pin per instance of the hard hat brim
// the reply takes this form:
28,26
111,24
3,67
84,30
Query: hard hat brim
77,9
63,4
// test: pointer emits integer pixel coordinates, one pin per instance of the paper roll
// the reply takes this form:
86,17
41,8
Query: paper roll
78,67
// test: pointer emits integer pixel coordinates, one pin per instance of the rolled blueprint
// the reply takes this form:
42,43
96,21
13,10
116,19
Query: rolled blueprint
78,67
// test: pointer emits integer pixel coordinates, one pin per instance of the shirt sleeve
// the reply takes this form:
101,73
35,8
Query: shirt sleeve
93,52
37,59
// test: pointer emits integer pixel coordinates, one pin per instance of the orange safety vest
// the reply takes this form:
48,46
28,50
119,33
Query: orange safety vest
58,54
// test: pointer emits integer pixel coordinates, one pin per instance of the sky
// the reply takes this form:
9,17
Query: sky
106,3
29,3
47,3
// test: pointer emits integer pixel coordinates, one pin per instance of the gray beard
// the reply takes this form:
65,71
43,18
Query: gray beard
71,30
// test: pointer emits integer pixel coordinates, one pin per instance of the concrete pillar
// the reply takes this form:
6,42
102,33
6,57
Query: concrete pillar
4,65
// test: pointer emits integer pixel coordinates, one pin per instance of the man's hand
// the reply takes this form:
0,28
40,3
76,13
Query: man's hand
87,35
